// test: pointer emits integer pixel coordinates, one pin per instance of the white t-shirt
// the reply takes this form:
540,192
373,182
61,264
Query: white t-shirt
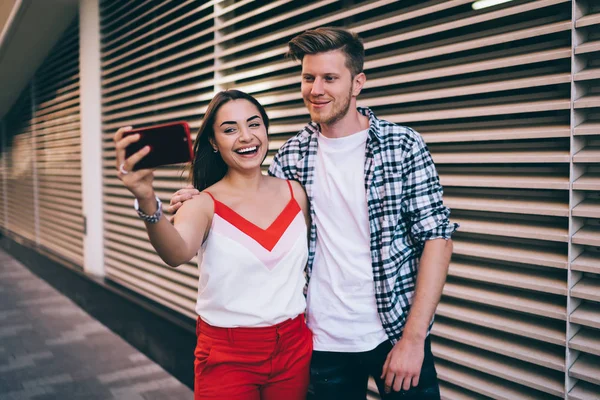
341,308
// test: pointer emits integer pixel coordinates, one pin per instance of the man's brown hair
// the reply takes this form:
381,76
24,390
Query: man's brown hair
325,39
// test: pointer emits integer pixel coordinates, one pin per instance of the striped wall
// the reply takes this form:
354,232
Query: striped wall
506,97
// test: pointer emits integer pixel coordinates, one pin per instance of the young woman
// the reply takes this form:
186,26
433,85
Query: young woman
249,231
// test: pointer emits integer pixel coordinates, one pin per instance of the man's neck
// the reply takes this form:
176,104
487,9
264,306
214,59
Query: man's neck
352,122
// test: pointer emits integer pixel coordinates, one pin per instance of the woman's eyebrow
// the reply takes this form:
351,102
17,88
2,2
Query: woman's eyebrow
233,122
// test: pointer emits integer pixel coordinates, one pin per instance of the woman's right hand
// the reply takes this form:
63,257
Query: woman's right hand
138,182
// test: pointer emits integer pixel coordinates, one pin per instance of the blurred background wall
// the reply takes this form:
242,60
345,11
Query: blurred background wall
507,97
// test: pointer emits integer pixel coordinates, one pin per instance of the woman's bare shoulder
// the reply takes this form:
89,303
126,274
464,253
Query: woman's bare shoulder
201,203
298,189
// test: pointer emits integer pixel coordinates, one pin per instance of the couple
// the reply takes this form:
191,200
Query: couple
368,192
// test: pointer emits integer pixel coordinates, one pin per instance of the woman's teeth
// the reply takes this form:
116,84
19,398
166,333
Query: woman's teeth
247,150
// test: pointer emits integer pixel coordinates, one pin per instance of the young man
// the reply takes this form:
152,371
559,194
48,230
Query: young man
380,237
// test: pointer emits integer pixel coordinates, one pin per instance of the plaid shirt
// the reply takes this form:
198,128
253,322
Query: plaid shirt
404,197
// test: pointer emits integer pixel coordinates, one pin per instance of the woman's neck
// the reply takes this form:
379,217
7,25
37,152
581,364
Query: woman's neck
249,181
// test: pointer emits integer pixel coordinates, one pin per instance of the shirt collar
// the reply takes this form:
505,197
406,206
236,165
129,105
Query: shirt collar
374,126
312,128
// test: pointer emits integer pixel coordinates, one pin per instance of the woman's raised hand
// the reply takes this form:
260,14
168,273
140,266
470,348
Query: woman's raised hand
138,182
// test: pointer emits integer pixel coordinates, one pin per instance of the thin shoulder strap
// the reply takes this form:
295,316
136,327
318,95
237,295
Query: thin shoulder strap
291,189
211,196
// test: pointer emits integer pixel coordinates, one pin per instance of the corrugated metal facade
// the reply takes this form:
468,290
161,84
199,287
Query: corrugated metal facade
42,158
507,98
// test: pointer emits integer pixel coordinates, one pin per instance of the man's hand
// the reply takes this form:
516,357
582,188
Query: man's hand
180,196
402,367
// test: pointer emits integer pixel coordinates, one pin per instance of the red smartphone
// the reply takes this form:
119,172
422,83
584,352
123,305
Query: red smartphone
169,144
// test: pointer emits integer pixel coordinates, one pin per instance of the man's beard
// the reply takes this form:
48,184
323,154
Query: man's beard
340,110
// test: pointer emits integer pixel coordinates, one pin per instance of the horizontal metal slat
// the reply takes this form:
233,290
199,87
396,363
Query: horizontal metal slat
173,296
474,111
588,261
449,391
587,368
589,208
125,59
155,104
166,21
588,47
507,156
320,20
548,381
586,340
487,385
124,229
65,100
114,235
546,330
292,16
587,128
587,288
144,255
531,303
171,289
588,20
587,314
123,279
442,26
536,206
72,250
493,250
513,228
587,74
153,86
477,43
519,348
589,181
587,154
152,78
126,10
588,235
159,272
543,280
584,391
76,257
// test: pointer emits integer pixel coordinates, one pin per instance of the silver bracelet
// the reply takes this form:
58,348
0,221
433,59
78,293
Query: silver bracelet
151,219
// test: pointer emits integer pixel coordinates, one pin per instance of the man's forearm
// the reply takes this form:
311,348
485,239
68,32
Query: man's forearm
433,269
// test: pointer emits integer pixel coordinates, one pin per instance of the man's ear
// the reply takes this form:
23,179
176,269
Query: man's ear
357,83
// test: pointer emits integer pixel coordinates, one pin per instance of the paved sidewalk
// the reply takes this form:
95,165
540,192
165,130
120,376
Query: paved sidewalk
51,349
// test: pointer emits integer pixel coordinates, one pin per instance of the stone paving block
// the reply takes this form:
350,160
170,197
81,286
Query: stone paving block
7,314
47,381
129,373
67,310
26,394
80,333
43,300
146,387
51,349
13,330
138,357
24,361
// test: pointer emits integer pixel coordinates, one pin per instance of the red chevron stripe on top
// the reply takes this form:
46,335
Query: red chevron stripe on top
269,237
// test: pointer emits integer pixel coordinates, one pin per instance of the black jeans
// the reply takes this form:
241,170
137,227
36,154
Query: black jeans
344,376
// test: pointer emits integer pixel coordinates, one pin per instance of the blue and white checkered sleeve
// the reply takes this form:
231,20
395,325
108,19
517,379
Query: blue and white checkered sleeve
423,204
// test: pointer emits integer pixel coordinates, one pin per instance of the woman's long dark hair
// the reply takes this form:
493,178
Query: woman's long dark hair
208,167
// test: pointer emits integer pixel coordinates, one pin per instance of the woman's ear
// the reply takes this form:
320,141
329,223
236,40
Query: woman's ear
215,149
